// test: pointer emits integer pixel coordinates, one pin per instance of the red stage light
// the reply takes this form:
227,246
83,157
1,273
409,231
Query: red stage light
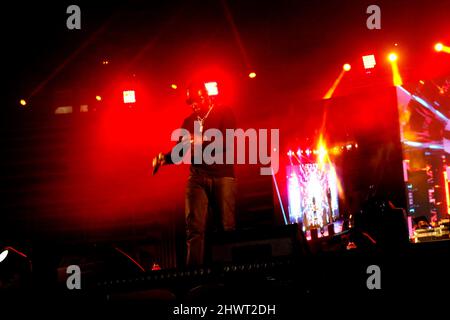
392,57
129,96
98,98
369,61
396,77
252,75
346,67
212,89
440,47
174,86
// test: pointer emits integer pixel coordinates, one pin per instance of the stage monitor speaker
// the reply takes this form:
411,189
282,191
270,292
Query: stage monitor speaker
258,244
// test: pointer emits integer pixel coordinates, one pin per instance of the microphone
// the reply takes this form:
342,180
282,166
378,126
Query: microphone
157,162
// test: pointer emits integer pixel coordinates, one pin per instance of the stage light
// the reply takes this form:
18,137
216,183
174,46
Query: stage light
369,61
336,82
174,86
98,98
440,47
252,75
129,96
212,89
23,102
3,255
64,110
322,151
336,150
396,78
392,57
346,67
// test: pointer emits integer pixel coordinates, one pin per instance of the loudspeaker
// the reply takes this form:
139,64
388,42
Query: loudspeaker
256,244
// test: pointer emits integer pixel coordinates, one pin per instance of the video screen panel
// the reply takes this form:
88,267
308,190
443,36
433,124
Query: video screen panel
312,195
424,112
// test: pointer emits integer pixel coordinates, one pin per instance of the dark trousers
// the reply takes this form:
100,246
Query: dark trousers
204,193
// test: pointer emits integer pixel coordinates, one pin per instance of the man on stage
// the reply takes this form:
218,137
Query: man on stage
210,186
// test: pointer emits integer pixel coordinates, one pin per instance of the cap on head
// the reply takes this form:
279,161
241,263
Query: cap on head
196,93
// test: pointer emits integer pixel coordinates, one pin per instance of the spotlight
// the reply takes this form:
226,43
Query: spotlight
212,89
439,47
396,77
98,98
129,96
369,61
174,86
392,57
252,75
23,102
345,68
3,255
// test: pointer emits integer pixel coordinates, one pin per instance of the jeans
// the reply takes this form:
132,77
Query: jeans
204,193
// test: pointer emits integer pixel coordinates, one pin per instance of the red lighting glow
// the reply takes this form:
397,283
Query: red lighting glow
16,251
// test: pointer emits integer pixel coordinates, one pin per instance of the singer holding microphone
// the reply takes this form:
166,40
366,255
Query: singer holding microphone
211,188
